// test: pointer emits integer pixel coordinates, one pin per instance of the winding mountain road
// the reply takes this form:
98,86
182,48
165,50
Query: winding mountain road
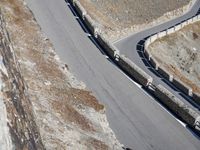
137,119
132,46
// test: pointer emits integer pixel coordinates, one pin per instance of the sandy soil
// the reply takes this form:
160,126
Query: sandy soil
120,18
67,116
180,54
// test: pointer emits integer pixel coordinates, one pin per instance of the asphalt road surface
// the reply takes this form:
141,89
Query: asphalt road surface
138,120
131,46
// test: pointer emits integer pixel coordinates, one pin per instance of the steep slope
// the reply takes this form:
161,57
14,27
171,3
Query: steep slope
121,18
179,53
47,108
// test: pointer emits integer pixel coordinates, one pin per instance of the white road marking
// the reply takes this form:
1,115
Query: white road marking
88,34
137,84
164,108
182,123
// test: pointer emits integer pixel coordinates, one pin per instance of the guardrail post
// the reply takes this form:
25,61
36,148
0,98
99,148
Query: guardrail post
96,31
73,2
197,124
83,15
117,55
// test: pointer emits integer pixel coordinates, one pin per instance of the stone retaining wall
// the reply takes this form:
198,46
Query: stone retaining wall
178,83
173,103
187,114
125,63
134,71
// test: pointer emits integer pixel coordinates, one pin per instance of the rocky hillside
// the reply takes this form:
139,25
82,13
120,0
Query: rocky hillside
43,105
122,17
180,54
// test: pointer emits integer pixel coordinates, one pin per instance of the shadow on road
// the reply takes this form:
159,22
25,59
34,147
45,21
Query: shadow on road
194,132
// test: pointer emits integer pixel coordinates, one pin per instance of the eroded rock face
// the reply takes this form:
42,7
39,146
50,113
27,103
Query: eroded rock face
47,108
22,126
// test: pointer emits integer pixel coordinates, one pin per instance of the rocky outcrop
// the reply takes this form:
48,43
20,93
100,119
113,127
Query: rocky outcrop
22,125
47,107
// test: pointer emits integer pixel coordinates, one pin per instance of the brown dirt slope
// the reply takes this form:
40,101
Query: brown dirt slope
120,17
63,114
180,54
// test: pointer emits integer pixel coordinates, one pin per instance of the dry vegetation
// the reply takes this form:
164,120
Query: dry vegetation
180,54
68,117
122,17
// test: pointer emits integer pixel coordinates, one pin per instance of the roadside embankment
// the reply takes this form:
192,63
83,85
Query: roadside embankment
174,52
47,107
118,19
21,121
